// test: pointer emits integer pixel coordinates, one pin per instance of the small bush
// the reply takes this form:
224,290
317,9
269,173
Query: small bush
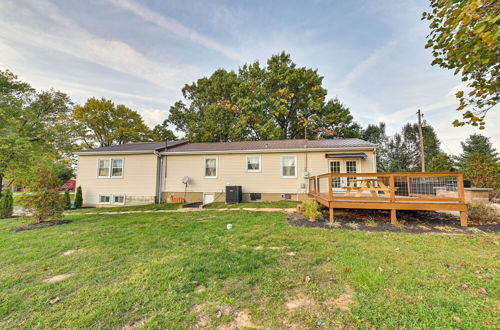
310,209
483,212
67,200
78,197
6,204
44,201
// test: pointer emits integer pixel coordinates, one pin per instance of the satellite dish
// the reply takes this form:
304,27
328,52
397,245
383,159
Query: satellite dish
185,180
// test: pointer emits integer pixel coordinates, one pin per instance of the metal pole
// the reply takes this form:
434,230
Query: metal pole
422,155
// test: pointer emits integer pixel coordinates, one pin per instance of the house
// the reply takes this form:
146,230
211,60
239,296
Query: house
144,173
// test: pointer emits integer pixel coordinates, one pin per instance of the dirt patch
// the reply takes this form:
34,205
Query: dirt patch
299,302
40,225
68,252
202,317
57,278
344,301
241,320
379,221
133,325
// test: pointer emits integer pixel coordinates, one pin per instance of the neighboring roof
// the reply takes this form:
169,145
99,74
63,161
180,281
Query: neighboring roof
272,145
146,147
186,147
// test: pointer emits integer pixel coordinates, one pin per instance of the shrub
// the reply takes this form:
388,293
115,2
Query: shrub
483,212
44,201
78,197
6,204
310,209
67,200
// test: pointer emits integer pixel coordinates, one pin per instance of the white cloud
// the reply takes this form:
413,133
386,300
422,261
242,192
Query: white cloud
41,24
176,27
361,68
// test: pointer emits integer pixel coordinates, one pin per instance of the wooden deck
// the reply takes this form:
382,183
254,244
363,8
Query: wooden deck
390,191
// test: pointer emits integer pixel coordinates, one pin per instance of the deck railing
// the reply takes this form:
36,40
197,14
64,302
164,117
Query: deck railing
390,187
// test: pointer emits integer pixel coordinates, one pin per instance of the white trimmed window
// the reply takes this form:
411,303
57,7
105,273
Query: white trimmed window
119,199
211,167
116,167
112,199
110,168
104,199
253,164
289,166
103,168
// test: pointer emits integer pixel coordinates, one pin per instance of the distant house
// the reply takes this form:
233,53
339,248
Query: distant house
143,173
69,185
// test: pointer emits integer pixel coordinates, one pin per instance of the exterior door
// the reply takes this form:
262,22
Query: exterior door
342,166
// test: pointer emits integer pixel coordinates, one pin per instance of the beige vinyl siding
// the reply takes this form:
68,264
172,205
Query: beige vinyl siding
231,170
138,183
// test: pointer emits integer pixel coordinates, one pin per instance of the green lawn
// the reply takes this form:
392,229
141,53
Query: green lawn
184,270
149,207
17,197
277,204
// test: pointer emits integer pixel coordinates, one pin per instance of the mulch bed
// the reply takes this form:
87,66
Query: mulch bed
419,222
40,225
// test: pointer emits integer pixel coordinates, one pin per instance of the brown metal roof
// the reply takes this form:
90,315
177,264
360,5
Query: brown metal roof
137,147
271,145
184,146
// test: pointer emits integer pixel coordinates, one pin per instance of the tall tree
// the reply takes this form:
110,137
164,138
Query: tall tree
34,127
337,117
377,134
431,141
161,132
402,154
271,102
101,123
209,112
464,37
476,143
441,163
482,170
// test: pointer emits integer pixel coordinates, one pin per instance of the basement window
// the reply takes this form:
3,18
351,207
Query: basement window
118,199
104,199
255,196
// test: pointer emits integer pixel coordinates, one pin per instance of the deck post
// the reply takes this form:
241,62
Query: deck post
332,215
461,198
330,183
392,188
393,217
463,218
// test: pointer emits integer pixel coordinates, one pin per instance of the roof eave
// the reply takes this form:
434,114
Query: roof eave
125,152
309,149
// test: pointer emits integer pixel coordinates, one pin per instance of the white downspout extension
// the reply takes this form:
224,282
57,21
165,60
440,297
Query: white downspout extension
159,171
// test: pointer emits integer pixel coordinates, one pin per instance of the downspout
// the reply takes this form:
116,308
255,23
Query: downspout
159,167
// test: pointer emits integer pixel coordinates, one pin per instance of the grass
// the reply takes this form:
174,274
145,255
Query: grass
277,204
185,270
17,197
149,207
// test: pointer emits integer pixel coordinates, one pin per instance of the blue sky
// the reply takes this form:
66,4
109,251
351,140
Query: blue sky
141,53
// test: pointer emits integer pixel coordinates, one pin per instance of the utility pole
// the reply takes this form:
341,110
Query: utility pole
422,155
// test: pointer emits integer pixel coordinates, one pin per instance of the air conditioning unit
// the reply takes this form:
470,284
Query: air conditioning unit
233,194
